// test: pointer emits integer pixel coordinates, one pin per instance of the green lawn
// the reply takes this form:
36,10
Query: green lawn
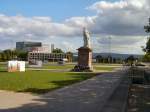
44,81
55,66
3,69
109,68
66,66
96,67
3,66
39,81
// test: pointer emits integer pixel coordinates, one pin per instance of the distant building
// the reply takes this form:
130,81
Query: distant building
46,56
43,49
52,47
27,46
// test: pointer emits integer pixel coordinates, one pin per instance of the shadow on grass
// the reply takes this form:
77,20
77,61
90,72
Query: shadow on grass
37,90
59,84
3,70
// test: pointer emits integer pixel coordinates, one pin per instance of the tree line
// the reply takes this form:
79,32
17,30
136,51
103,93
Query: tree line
9,54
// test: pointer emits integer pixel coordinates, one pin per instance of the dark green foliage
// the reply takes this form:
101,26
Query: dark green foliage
57,50
147,48
99,59
21,55
146,57
130,59
13,54
109,59
7,55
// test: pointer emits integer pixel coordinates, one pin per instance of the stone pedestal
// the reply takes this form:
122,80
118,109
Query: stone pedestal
85,57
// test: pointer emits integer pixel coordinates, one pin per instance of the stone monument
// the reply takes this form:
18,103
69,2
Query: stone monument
85,54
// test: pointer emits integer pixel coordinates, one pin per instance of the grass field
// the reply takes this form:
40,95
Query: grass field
55,66
44,81
67,66
109,68
3,66
39,81
103,67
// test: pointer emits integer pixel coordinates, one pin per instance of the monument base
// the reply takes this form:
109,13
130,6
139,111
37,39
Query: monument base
79,68
84,60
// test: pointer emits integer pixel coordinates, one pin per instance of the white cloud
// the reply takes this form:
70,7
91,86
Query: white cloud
123,19
80,22
122,4
104,5
40,27
44,19
68,46
121,44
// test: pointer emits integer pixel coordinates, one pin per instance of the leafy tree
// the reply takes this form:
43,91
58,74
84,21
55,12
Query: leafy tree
0,56
21,55
99,59
146,57
130,60
13,54
57,50
147,48
8,54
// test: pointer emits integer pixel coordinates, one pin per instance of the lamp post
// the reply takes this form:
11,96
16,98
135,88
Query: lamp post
109,57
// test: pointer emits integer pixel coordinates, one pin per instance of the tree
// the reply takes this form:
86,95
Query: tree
21,55
13,54
99,59
0,56
146,58
57,50
147,48
8,54
147,30
130,60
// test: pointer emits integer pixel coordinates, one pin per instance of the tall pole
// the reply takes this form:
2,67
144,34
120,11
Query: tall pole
11,49
109,49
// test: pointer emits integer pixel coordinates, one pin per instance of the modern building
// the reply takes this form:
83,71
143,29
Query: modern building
27,46
43,49
46,56
38,54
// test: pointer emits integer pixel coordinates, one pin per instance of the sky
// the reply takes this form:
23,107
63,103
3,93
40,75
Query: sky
61,22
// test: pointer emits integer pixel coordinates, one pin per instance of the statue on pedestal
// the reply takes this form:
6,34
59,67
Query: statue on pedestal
85,54
86,38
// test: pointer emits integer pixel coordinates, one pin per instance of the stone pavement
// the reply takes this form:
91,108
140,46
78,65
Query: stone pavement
88,96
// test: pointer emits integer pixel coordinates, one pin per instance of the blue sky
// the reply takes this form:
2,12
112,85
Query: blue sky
58,10
61,22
